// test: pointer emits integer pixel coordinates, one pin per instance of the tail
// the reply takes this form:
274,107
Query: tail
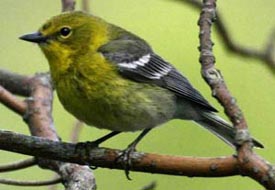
221,128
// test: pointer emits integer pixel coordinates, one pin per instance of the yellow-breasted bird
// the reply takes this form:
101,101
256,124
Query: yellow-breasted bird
110,78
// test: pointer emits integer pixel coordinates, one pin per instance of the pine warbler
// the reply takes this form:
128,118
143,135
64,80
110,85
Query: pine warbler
110,78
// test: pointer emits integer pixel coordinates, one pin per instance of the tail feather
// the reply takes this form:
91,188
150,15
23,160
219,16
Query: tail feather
221,128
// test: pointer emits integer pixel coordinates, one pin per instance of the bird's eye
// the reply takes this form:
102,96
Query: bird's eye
65,32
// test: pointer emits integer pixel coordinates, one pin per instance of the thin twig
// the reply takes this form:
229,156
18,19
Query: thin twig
12,102
18,165
15,83
67,5
266,55
77,128
54,186
30,183
86,5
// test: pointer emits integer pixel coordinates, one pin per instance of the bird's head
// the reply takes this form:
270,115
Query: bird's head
68,34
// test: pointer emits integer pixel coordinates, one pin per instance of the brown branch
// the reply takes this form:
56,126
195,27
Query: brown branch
39,105
74,138
12,102
86,5
106,158
30,183
250,164
40,123
37,114
77,128
18,165
67,5
211,75
15,83
78,125
265,55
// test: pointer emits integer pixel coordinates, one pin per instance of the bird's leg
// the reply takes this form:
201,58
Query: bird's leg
105,137
98,141
125,157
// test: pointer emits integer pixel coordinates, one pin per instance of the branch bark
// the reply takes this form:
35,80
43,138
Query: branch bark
106,158
67,5
18,165
30,183
266,55
36,111
12,102
250,164
15,83
40,123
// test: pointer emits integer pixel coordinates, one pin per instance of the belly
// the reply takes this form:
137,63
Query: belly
118,106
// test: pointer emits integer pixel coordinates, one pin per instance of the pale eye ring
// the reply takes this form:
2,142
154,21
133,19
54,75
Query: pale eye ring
65,31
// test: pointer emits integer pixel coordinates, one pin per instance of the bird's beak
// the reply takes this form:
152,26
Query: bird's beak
36,37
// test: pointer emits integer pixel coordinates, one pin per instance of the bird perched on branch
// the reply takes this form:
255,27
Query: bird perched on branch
110,78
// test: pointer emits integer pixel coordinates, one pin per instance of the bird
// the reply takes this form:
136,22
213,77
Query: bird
110,78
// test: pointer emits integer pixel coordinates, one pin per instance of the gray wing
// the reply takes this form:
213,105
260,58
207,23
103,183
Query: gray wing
136,61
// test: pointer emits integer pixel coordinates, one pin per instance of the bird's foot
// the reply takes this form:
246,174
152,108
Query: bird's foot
125,159
86,146
83,150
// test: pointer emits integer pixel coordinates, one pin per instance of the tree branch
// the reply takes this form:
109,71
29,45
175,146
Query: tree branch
250,164
37,113
86,5
40,123
15,83
18,165
266,55
30,183
77,128
67,5
12,102
106,158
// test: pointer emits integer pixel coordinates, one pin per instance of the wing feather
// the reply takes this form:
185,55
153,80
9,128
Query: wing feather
143,65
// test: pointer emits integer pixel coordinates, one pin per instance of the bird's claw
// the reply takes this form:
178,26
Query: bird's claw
93,167
83,149
125,159
85,146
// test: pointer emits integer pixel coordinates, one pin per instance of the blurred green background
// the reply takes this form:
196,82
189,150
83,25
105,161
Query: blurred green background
170,26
